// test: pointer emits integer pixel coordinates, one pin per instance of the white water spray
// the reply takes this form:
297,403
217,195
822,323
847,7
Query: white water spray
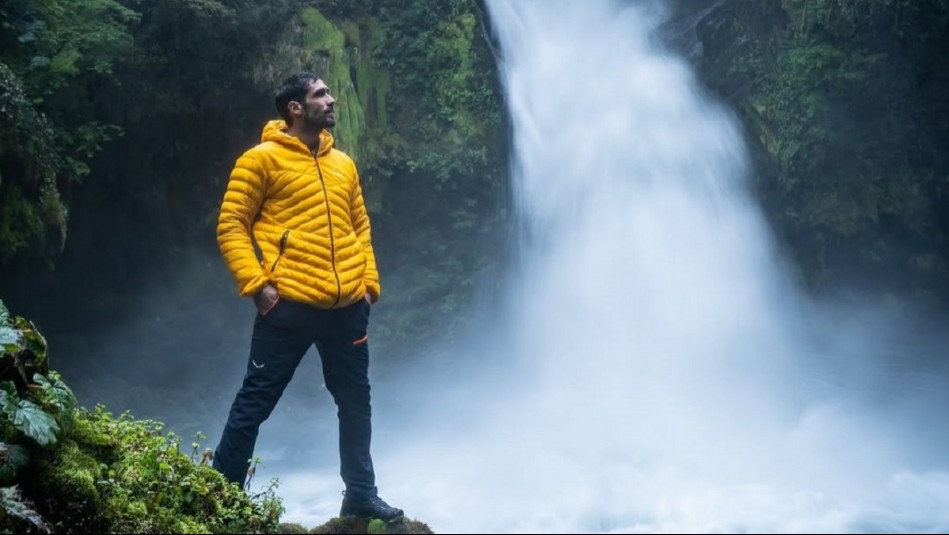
654,371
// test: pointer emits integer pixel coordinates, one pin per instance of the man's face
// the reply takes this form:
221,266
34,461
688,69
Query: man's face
318,105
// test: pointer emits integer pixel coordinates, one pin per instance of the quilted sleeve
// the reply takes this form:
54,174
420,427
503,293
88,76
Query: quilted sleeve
360,219
242,200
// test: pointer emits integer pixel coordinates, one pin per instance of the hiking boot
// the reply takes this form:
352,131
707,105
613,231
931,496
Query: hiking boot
370,507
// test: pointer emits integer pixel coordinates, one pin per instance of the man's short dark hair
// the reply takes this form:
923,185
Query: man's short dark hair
293,88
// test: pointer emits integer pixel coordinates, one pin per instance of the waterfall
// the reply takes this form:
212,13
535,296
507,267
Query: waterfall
654,368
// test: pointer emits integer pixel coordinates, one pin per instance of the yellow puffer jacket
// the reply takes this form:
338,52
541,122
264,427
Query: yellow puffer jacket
307,217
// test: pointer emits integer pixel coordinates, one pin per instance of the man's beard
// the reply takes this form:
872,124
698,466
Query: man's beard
317,123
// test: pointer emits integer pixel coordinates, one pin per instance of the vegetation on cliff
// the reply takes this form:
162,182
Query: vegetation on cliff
845,103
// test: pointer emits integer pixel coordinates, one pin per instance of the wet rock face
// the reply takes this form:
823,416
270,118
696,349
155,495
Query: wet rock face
730,34
840,131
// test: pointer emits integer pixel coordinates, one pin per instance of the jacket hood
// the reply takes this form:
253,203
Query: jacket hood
276,131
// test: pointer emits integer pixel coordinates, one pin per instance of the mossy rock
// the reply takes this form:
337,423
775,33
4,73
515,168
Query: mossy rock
292,528
66,481
95,440
365,525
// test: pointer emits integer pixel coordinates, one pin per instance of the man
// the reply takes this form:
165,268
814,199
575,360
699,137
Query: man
300,200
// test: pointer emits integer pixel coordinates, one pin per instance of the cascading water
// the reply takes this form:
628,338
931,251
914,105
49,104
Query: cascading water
654,370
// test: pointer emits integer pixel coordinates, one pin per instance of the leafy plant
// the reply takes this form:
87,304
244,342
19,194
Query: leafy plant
55,393
90,471
28,417
23,353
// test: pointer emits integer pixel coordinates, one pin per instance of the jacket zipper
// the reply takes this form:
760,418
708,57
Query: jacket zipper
329,217
283,245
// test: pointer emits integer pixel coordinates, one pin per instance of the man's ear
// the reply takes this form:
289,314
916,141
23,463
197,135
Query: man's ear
295,107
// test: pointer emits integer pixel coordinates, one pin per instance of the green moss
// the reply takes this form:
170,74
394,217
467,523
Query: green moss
67,480
372,86
121,475
178,496
95,440
352,525
326,44
351,31
372,80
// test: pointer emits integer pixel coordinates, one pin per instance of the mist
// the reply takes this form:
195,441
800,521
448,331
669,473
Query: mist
653,366
650,366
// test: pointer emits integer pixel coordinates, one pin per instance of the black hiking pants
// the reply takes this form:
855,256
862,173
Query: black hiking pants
280,340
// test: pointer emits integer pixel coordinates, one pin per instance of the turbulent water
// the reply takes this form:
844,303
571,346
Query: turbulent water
653,368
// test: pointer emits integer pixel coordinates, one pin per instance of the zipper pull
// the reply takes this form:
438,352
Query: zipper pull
283,245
